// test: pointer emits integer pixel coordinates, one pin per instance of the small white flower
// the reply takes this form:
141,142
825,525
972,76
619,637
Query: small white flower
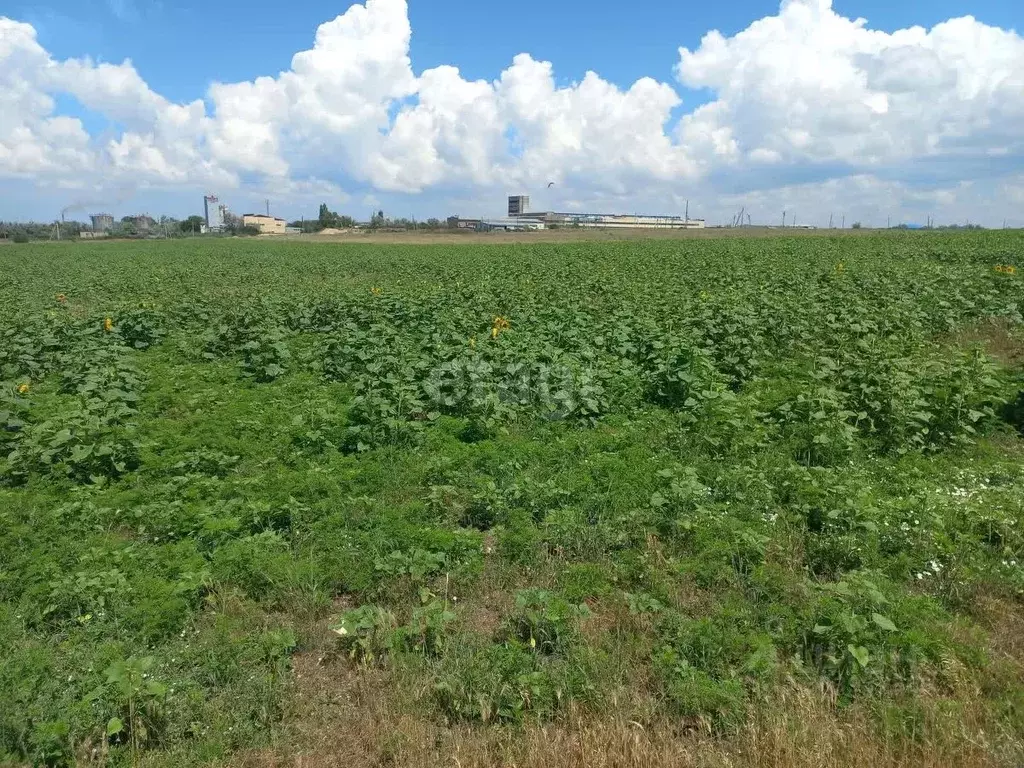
340,631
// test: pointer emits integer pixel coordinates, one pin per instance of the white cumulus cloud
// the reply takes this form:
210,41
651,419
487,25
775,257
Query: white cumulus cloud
805,103
812,86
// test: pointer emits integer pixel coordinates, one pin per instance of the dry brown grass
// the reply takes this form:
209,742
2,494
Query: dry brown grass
349,717
363,718
998,337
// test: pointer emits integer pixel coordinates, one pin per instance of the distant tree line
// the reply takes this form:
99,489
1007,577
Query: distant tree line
24,231
131,227
328,219
941,226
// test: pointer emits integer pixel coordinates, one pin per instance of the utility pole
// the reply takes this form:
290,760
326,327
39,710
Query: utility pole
268,208
844,221
783,219
688,211
888,221
830,221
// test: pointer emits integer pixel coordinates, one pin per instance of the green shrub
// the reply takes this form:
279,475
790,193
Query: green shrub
682,376
391,416
581,581
860,637
708,667
507,683
266,356
544,621
887,401
1013,412
82,446
141,328
693,693
518,541
370,634
366,633
818,426
427,629
963,395
138,699
261,565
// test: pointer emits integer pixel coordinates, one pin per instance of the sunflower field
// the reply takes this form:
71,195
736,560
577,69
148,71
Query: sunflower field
676,483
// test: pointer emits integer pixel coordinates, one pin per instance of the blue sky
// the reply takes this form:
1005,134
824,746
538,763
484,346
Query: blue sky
180,48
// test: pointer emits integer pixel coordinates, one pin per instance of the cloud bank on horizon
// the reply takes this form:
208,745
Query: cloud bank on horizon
807,107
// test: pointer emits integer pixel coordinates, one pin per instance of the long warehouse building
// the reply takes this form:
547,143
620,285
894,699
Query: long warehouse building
612,220
518,204
519,218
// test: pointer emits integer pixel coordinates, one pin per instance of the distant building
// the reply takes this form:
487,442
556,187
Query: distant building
102,222
517,224
142,223
267,225
96,235
213,213
518,205
520,213
551,220
612,220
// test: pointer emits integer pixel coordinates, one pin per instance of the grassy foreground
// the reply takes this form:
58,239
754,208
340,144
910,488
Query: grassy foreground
702,502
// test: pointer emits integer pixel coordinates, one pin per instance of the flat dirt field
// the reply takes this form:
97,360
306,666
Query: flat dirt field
566,235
